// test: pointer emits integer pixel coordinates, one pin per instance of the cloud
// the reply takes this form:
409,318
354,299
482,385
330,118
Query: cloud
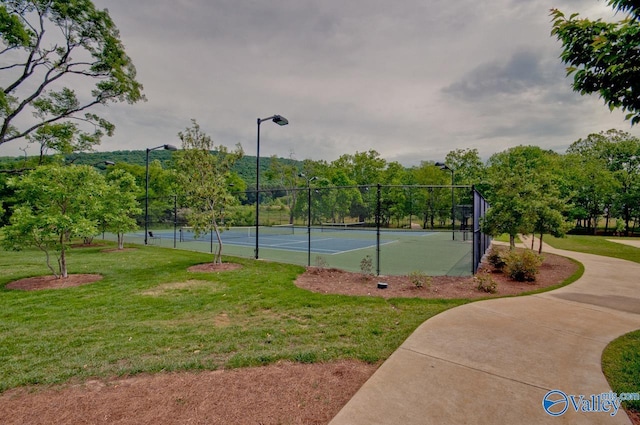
412,80
523,72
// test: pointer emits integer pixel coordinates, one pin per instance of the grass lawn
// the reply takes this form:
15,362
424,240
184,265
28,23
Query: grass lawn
621,358
598,245
150,314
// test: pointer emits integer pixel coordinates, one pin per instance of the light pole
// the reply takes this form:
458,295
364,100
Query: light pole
146,192
280,120
105,163
309,180
443,167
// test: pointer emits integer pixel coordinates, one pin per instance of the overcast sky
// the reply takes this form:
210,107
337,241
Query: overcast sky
412,79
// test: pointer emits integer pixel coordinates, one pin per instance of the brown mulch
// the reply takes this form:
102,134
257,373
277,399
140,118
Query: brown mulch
554,270
51,282
283,393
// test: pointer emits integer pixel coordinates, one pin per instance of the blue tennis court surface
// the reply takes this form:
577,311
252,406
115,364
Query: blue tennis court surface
330,243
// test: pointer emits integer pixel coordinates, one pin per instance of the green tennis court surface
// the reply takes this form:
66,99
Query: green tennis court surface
400,252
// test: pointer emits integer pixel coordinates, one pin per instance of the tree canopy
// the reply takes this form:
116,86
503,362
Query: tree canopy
56,204
204,181
603,57
48,48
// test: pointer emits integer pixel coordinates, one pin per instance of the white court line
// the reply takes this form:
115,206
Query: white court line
364,247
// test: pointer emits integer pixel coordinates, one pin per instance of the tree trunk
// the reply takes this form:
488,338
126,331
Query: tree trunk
627,219
217,258
540,246
512,242
120,240
63,263
533,239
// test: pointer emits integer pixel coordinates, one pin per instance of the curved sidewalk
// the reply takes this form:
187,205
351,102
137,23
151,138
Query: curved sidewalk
492,362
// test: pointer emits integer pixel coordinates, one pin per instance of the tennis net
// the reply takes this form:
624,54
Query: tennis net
187,233
335,227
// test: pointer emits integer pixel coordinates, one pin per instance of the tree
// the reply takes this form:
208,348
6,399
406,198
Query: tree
523,193
432,202
363,168
610,172
46,45
119,204
468,165
204,179
162,188
589,182
286,176
55,204
603,57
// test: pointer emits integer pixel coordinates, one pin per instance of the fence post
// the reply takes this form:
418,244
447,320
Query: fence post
175,219
378,212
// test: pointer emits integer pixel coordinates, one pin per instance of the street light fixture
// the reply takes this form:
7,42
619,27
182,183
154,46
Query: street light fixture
443,167
280,120
146,196
105,163
309,180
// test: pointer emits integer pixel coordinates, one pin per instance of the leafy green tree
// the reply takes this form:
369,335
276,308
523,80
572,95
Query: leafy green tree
347,197
47,48
433,202
468,166
547,210
120,205
589,183
523,193
603,57
55,204
163,185
395,199
365,169
610,175
286,176
204,181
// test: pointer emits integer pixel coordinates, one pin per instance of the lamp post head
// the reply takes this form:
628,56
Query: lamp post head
170,148
280,120
443,166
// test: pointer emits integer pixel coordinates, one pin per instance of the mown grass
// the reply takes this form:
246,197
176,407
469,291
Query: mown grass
150,314
621,358
598,245
621,366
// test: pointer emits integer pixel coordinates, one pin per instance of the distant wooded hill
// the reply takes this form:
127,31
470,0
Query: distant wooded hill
246,167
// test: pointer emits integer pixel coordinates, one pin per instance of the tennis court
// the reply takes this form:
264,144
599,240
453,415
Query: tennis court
289,238
392,251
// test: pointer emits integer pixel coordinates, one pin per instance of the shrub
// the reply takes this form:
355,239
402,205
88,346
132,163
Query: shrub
366,266
321,263
495,258
486,283
522,266
419,279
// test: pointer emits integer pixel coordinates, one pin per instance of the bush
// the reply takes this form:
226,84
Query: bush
366,266
495,258
420,280
321,263
522,266
485,283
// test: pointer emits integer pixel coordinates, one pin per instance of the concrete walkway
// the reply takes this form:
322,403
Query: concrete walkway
493,362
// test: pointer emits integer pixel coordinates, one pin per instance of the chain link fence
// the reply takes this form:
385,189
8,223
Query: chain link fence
375,229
